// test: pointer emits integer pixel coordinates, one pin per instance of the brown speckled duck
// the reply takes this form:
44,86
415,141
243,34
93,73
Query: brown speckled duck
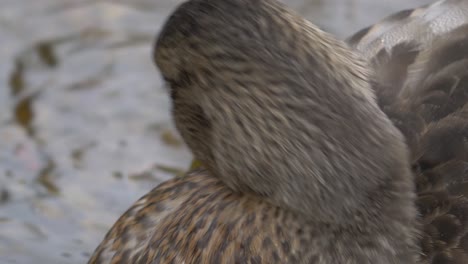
311,152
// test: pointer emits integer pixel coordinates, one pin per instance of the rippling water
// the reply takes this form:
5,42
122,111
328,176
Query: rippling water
84,120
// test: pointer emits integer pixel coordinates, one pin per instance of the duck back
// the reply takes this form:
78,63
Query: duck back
420,58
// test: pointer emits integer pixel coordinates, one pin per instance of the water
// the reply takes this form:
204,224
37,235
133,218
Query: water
84,119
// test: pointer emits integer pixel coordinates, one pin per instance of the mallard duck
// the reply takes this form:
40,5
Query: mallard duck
310,152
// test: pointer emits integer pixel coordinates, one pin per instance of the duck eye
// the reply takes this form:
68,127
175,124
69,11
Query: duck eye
173,93
169,83
167,80
169,86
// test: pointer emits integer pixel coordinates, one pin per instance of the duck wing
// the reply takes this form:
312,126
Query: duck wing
421,82
420,24
393,43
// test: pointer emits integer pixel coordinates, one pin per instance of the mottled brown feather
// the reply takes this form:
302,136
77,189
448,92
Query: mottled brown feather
244,226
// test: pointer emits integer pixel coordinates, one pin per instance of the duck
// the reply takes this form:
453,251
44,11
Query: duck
312,149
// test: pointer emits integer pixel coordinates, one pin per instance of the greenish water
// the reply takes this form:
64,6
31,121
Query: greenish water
84,120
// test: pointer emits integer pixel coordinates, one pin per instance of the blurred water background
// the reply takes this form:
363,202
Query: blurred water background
85,128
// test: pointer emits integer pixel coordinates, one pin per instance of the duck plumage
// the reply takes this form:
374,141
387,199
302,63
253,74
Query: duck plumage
299,163
421,62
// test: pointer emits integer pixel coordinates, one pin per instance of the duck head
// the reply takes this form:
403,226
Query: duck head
276,108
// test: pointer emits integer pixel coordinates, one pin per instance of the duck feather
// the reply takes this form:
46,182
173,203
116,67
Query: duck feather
421,82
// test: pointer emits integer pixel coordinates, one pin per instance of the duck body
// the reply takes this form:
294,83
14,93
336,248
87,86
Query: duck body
308,155
220,226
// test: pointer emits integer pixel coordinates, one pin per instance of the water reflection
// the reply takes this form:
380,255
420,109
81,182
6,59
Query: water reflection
84,120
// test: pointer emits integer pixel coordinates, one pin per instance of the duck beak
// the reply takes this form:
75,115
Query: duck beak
196,164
